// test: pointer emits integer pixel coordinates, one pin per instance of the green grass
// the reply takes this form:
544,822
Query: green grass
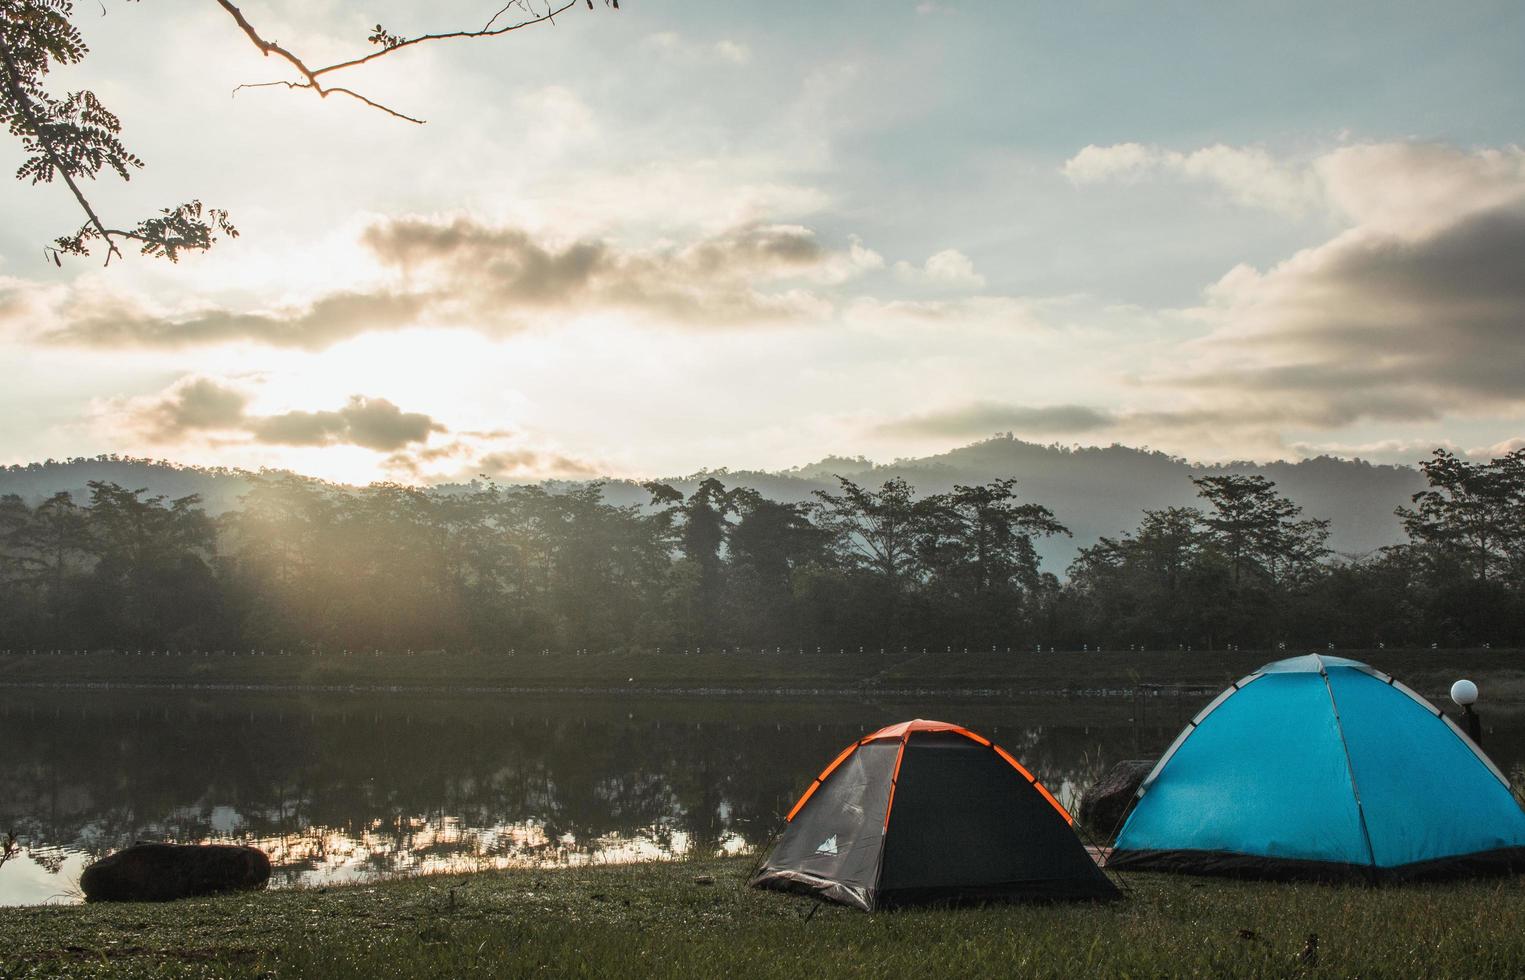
1500,672
657,920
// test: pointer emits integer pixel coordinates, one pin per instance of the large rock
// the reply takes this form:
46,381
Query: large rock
164,872
1107,802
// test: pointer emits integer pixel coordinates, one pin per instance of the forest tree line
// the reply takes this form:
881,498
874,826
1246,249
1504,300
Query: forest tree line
305,565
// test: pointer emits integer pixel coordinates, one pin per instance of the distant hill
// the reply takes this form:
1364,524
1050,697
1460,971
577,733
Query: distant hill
1104,490
1092,490
220,489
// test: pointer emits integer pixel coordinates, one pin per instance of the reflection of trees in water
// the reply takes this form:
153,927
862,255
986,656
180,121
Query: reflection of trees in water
390,785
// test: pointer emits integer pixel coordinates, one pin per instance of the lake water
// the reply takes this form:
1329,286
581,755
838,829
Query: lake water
339,787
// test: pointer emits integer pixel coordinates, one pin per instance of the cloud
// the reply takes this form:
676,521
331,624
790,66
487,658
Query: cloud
196,406
216,412
1501,448
675,46
1376,325
949,268
1401,451
191,405
115,322
485,273
1418,188
1249,175
1119,161
555,121
733,51
371,423
505,456
495,279
1398,187
527,462
1415,311
983,418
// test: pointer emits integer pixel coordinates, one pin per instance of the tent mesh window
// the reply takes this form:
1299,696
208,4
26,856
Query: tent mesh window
836,836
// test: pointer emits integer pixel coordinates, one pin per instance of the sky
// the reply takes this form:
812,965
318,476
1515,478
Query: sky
680,236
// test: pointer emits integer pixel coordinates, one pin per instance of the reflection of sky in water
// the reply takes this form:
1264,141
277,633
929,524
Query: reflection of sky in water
50,875
47,875
446,846
346,787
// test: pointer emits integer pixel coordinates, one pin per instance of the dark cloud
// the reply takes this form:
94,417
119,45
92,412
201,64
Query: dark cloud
1379,326
505,263
499,276
206,405
372,423
199,403
983,418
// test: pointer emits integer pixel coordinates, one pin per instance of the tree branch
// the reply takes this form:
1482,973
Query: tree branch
29,109
389,46
331,90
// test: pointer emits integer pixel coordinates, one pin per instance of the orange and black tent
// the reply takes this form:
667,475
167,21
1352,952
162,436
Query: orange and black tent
928,811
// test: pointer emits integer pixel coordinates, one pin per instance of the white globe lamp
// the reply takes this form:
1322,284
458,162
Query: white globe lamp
1464,693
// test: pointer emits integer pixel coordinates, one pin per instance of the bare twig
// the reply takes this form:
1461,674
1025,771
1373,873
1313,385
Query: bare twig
331,89
390,44
503,10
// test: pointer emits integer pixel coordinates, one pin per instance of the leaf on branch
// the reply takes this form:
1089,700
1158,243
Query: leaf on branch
182,228
77,137
185,227
380,36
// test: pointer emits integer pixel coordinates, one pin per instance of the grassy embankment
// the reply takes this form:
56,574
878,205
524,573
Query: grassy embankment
657,920
1502,673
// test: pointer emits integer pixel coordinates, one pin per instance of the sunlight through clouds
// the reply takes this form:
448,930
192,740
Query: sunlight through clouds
675,239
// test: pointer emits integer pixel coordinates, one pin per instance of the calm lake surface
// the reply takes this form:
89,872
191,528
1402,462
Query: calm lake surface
339,787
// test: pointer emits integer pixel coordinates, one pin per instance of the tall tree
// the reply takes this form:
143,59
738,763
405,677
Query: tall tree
879,530
769,547
1257,530
1472,515
152,582
995,533
700,524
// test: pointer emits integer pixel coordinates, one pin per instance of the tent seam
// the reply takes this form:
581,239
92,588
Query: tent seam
889,805
1350,769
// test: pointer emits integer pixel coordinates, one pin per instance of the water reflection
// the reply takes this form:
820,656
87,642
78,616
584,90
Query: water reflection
342,787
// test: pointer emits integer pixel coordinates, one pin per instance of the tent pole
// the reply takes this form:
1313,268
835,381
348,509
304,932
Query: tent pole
1350,770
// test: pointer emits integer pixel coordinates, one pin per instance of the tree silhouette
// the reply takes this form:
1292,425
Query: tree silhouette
312,566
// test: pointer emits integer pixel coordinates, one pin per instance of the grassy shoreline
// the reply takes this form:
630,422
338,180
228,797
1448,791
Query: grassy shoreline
665,920
1500,672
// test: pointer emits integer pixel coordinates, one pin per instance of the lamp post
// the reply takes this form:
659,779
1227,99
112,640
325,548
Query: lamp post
1464,693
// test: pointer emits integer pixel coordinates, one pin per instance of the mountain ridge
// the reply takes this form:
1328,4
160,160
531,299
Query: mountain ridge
1093,490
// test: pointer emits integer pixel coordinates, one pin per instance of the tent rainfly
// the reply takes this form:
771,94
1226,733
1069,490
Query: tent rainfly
1321,767
928,811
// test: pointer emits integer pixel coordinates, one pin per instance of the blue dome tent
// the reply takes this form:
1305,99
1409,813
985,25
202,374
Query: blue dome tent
1322,767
